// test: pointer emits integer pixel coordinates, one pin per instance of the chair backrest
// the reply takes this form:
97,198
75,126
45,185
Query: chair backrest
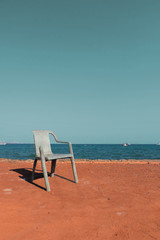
41,138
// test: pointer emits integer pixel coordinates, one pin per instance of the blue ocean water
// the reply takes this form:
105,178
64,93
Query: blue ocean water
86,151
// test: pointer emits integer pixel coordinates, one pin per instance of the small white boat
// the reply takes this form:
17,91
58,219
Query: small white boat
125,144
3,143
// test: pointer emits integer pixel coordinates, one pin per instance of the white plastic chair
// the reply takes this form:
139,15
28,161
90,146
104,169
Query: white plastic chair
44,153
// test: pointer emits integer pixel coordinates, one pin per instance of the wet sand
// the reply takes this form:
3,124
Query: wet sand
114,200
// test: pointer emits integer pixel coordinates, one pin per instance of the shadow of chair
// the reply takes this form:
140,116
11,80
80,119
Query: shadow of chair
26,174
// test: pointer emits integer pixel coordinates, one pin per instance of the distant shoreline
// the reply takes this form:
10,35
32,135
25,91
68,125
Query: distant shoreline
132,161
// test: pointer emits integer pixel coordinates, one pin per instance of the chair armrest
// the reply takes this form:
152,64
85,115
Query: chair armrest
69,143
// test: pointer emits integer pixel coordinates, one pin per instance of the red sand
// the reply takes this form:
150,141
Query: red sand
112,201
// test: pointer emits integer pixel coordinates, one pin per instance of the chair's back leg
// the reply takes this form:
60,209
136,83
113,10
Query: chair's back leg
53,166
74,170
34,167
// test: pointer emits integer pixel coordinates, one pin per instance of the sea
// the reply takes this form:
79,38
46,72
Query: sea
86,151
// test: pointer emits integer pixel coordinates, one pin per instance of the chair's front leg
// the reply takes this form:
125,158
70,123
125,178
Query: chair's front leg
43,162
74,170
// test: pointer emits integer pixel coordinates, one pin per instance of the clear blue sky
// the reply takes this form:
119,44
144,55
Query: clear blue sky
87,70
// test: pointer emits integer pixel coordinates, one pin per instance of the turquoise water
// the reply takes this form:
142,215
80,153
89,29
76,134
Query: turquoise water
86,151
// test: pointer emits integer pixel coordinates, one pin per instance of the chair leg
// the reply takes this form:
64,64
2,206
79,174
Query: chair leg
43,162
34,167
53,166
74,170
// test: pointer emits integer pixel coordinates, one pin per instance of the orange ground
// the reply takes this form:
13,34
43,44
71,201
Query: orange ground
112,201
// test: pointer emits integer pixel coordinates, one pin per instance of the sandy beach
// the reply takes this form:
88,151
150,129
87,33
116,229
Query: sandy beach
113,200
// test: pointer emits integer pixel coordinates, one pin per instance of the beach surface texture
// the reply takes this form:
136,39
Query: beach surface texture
114,200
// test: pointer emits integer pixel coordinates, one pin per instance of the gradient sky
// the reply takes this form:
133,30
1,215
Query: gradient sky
87,70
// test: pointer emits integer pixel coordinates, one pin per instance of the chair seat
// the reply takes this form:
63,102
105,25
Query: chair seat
56,156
